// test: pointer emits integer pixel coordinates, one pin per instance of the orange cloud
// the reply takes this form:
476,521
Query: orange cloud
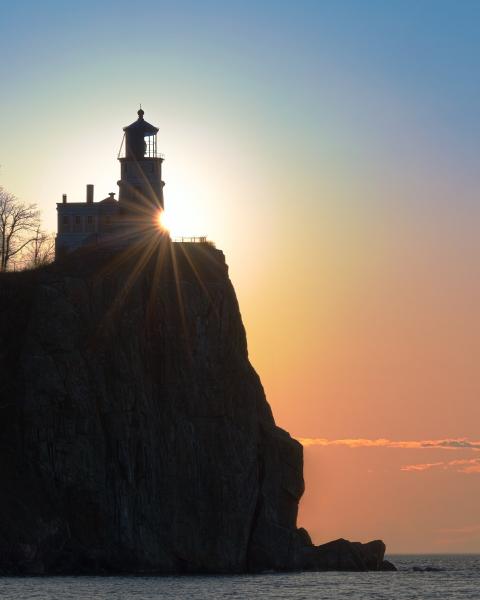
468,466
445,444
471,465
421,467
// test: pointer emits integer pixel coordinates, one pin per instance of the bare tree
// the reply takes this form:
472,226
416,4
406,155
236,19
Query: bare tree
19,224
40,251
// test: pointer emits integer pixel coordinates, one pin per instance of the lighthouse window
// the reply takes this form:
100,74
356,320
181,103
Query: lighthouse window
78,220
150,144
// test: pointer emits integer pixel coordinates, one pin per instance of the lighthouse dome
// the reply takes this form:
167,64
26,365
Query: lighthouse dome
141,126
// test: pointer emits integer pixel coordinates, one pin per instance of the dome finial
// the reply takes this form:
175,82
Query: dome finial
140,112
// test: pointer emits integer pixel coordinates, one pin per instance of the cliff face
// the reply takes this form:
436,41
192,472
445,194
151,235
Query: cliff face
134,433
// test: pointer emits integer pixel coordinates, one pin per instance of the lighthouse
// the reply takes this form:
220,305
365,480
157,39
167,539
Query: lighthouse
116,223
141,185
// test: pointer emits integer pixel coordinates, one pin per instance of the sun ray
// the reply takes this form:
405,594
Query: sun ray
198,276
181,306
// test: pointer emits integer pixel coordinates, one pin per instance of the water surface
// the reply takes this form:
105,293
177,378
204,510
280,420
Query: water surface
457,577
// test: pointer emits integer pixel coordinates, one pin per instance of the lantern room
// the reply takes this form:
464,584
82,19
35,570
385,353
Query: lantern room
140,139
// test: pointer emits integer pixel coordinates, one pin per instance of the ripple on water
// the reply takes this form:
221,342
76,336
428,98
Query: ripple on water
458,579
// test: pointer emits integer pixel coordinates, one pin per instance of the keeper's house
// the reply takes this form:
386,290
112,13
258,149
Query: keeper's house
83,223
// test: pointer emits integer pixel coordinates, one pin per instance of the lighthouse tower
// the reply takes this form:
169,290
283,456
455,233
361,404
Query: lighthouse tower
117,223
141,185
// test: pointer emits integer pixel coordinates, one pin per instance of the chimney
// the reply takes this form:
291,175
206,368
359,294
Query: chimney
64,198
89,193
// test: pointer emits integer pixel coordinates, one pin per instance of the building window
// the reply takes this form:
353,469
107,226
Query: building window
90,220
65,224
77,224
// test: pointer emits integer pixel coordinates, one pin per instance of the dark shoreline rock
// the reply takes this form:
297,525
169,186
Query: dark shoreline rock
135,436
342,555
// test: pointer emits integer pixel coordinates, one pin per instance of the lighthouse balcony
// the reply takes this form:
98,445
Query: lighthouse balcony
148,155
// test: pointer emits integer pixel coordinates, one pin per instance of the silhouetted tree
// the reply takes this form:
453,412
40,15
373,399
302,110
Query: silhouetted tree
40,251
19,224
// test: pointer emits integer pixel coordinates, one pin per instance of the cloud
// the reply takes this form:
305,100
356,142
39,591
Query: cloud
445,444
468,466
421,467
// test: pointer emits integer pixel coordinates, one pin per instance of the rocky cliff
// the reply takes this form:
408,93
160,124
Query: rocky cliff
134,433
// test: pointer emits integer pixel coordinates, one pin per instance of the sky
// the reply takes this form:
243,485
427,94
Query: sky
331,150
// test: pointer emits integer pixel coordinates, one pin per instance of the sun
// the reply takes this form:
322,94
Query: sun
180,221
162,221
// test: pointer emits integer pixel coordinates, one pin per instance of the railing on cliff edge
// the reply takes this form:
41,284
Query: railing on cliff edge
193,240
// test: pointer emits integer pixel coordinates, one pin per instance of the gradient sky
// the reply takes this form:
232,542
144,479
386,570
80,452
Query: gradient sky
332,150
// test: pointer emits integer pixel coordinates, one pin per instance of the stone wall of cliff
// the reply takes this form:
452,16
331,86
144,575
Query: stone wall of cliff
134,433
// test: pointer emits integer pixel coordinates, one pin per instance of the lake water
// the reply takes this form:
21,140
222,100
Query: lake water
459,577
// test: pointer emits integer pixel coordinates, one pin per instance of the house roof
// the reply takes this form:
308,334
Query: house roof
141,125
109,198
